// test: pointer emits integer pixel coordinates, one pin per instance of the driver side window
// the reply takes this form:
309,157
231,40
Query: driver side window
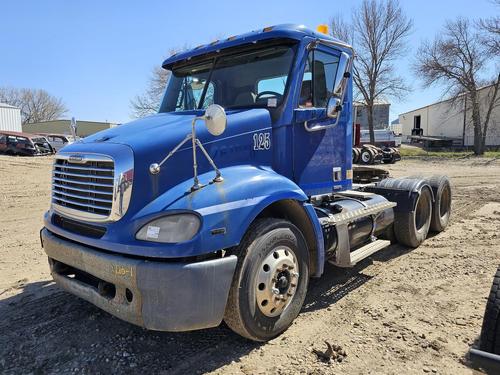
318,80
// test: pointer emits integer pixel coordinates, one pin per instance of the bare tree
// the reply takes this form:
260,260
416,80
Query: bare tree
35,105
149,102
458,59
491,31
377,30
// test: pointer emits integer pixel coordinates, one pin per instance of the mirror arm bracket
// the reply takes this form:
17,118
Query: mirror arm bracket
218,175
312,45
156,167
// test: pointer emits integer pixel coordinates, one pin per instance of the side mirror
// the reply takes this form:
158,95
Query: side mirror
215,119
334,106
343,74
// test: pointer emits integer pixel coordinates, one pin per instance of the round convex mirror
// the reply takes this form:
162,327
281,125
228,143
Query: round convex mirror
215,119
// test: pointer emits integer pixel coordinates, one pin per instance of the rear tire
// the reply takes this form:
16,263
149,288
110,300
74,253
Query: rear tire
489,341
367,156
441,207
411,228
264,276
355,155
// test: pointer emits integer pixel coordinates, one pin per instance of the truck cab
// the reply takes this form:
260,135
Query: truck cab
224,203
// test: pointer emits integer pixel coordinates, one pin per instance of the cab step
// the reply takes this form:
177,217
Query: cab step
367,250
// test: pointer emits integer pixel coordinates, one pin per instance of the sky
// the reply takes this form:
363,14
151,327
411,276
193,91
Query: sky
98,55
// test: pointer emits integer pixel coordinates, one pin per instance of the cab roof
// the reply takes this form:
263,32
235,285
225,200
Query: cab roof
284,31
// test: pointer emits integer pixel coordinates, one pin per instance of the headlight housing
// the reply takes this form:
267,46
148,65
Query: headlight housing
170,229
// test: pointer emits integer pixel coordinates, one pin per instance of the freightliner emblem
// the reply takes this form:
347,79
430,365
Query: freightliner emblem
76,159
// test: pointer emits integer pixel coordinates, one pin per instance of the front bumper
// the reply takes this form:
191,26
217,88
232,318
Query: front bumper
163,296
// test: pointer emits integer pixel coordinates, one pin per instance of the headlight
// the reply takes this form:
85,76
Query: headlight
170,229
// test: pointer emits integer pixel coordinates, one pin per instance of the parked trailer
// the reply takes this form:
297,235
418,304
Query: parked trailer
381,152
383,138
369,154
174,226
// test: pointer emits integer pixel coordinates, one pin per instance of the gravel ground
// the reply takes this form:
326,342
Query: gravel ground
413,311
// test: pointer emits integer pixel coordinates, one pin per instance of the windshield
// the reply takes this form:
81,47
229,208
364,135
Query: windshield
255,78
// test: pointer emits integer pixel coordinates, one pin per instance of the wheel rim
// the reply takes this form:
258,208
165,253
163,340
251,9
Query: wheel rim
365,156
444,205
277,281
422,211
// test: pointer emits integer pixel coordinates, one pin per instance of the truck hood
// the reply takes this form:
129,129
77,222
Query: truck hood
165,130
152,138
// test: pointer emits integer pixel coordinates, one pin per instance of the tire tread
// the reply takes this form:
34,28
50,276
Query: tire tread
490,332
232,315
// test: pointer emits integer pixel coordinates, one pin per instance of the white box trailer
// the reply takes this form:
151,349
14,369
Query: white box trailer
10,118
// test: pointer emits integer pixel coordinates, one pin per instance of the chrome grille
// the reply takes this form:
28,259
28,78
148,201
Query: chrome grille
84,184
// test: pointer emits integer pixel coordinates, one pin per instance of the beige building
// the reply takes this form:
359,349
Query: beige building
84,128
447,120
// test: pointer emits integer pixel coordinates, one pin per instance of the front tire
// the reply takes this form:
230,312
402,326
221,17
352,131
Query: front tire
270,281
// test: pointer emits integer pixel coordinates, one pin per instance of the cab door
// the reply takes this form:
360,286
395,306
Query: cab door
320,156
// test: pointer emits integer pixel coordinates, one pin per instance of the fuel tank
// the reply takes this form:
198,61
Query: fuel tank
360,230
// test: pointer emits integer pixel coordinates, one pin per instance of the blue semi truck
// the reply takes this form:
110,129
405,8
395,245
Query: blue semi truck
226,202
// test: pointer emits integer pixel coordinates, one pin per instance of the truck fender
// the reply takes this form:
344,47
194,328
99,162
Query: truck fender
404,191
228,208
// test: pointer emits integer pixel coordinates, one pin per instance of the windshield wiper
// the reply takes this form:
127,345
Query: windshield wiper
207,83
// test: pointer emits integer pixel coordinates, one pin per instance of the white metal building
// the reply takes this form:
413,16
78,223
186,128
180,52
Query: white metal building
10,118
452,121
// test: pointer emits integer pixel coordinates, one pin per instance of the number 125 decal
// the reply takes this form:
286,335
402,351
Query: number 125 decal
261,141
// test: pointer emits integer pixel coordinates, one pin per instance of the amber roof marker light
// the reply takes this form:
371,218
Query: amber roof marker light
323,29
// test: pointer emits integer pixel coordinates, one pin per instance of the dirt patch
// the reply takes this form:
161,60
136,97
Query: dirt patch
414,311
